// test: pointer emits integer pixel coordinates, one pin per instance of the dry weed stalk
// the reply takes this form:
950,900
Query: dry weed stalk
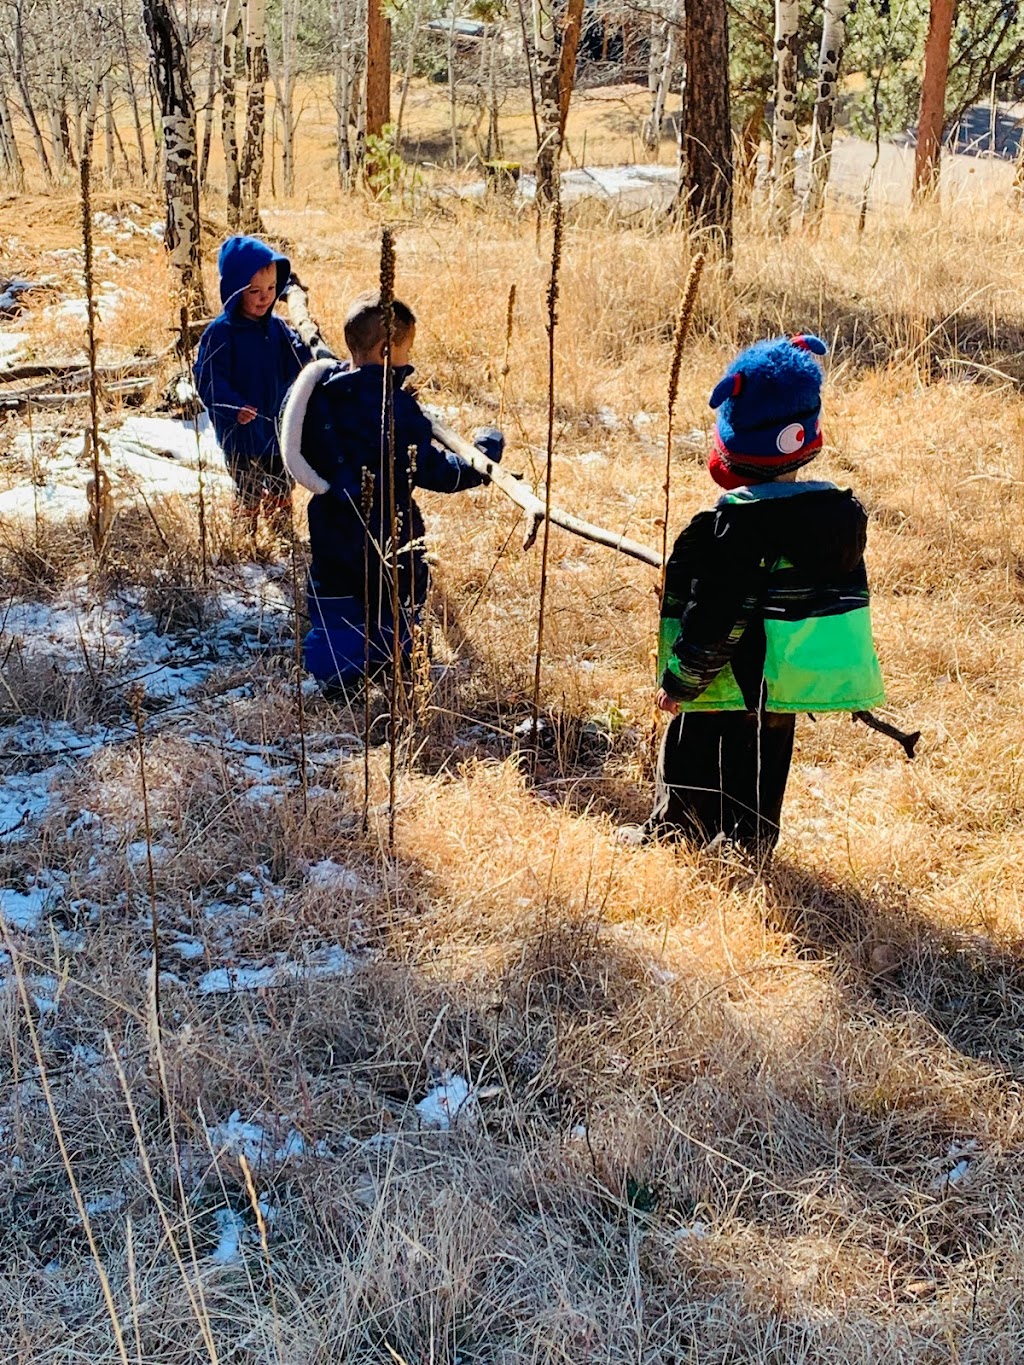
682,332
552,320
185,359
510,314
387,453
135,701
366,504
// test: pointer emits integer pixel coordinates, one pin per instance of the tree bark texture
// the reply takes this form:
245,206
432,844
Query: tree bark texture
231,24
378,68
707,132
787,24
932,111
178,120
9,151
257,71
549,111
570,44
833,40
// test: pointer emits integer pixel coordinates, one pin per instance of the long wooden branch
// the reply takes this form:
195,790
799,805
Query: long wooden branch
516,490
533,506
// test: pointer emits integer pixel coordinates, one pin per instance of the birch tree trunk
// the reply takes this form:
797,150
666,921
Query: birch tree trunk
662,77
546,55
133,93
178,126
13,163
256,71
109,169
706,188
211,97
27,107
344,73
378,69
833,40
932,111
286,90
787,25
231,23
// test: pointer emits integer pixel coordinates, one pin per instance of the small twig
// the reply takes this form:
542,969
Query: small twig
366,500
90,312
682,331
387,434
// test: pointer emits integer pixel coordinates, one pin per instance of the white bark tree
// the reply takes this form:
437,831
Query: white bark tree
231,28
833,40
256,71
10,156
545,46
178,125
664,46
784,134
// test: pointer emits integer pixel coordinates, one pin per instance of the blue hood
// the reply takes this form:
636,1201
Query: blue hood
238,261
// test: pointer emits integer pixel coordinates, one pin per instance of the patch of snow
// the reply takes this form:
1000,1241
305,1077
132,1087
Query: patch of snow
324,962
593,457
23,798
229,1245
331,876
11,346
135,853
442,1107
188,948
237,1137
105,1203
107,301
25,909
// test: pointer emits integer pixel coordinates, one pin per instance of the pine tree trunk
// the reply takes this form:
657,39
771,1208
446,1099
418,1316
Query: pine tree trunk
178,126
378,69
932,111
256,70
833,40
569,47
706,188
787,24
549,112
231,23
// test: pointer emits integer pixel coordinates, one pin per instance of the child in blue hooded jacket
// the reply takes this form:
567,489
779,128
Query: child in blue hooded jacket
248,359
336,440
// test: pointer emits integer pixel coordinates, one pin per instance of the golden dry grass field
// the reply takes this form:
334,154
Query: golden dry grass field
713,1117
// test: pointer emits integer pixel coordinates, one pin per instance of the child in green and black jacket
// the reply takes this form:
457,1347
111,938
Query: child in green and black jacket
765,609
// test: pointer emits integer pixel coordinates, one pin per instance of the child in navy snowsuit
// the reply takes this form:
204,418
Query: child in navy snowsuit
336,442
247,360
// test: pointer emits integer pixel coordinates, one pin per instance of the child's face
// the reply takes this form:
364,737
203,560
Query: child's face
259,294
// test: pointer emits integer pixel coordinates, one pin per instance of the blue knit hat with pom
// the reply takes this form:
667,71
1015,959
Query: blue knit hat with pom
769,411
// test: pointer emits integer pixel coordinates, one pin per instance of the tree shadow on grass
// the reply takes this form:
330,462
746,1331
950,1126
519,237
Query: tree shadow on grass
968,987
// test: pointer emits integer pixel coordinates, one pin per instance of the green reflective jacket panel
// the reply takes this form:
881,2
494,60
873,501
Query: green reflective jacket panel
745,626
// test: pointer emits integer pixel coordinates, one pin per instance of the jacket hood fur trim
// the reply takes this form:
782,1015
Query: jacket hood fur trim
292,420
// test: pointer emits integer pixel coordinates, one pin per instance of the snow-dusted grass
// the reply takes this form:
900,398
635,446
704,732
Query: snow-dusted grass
511,1091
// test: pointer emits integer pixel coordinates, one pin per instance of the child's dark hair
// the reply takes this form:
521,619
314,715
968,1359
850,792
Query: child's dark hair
364,323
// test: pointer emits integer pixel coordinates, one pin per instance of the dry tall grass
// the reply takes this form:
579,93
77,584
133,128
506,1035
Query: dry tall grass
714,1117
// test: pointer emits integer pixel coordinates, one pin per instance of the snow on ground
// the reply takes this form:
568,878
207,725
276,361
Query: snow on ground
146,457
11,346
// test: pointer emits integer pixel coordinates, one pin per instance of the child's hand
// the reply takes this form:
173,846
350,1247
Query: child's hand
666,703
246,415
